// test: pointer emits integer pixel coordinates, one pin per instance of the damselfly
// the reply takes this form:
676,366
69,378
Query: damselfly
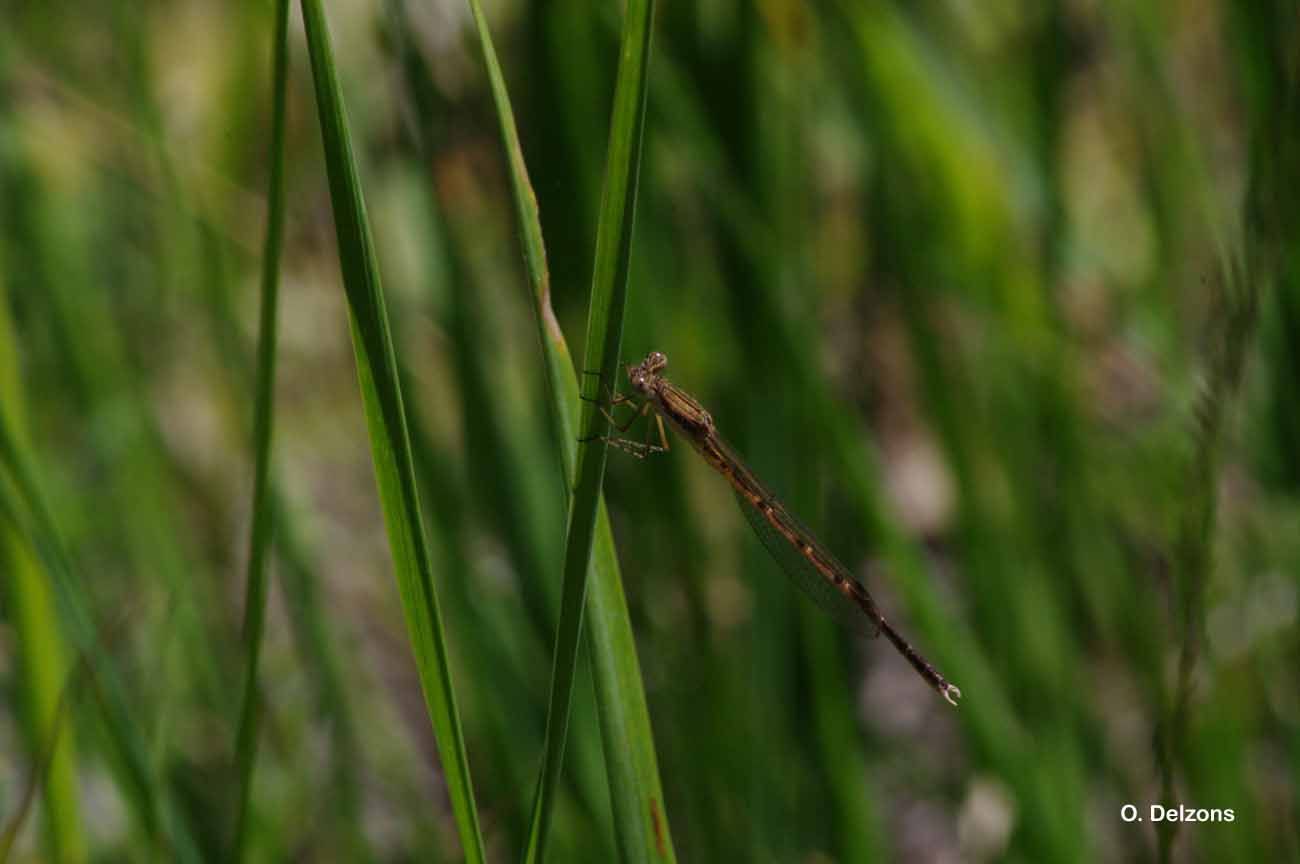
813,569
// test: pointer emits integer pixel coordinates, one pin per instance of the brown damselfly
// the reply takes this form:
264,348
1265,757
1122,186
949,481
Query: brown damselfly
815,570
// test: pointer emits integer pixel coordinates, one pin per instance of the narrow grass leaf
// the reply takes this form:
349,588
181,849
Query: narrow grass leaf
604,336
43,672
389,440
255,589
1232,333
636,793
558,365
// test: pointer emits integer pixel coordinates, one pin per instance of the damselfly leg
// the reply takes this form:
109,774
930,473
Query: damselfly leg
642,449
639,449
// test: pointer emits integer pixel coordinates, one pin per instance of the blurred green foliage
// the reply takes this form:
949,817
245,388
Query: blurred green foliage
1005,300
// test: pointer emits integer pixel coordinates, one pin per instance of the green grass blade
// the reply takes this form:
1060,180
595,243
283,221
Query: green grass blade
636,792
604,336
43,668
555,351
389,439
255,590
635,788
1231,336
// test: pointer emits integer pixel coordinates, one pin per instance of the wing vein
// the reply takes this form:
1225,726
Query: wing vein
812,568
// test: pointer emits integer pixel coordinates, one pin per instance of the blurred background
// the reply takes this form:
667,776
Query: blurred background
1003,299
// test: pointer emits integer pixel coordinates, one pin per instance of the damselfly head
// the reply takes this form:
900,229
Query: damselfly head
644,373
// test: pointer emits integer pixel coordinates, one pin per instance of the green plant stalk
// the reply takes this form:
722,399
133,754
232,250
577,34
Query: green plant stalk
52,745
298,580
558,365
636,792
43,669
604,336
499,449
1232,334
389,440
498,646
263,417
519,514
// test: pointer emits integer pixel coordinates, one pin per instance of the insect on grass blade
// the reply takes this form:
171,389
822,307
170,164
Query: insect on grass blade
808,564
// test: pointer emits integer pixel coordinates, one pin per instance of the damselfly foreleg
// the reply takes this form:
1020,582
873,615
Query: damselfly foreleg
614,400
639,449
